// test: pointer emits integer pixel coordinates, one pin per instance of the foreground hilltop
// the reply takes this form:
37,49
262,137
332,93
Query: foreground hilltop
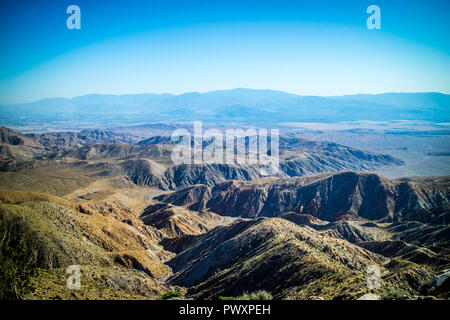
314,246
269,254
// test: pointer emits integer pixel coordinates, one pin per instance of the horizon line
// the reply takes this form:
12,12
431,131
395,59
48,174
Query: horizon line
219,90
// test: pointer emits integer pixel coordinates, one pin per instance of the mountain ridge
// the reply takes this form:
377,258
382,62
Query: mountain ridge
143,96
328,196
227,105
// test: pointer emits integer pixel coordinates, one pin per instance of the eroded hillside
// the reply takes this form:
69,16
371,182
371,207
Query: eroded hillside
139,226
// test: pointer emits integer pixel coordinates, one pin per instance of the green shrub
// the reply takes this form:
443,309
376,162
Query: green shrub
392,294
257,295
425,287
17,263
227,298
16,271
172,294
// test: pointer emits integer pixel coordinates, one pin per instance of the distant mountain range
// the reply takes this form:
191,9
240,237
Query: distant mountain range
244,105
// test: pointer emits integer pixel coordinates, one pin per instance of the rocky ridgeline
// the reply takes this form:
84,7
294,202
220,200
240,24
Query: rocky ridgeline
148,162
328,197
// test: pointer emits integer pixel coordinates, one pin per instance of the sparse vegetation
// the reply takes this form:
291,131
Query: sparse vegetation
257,295
171,295
227,298
425,287
392,294
104,215
17,265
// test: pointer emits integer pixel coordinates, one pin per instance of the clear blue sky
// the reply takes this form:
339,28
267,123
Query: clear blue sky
306,47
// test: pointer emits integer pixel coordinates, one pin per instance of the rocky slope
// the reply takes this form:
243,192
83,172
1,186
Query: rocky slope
270,254
149,161
329,197
119,256
303,157
150,165
16,147
130,246
59,140
176,222
97,200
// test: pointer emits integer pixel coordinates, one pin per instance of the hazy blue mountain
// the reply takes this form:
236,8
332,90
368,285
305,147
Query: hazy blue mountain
404,100
240,104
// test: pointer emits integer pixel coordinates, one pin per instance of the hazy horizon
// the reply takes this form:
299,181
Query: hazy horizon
222,90
310,48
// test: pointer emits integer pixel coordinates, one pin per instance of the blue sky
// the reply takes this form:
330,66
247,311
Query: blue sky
305,47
